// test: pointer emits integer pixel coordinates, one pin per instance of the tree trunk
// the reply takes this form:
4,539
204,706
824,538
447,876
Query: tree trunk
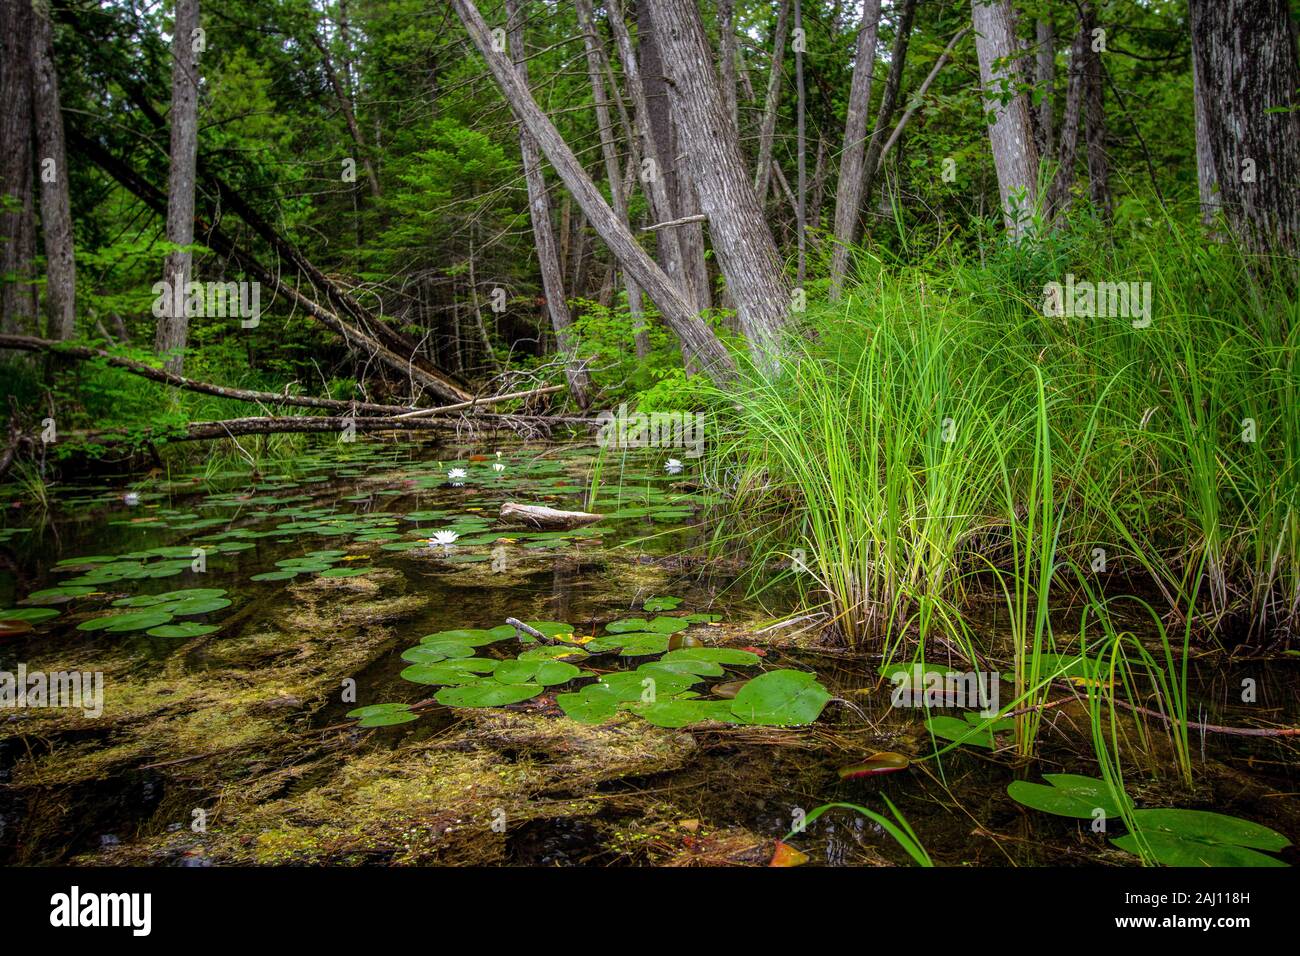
596,69
848,192
727,59
678,180
1058,197
741,239
349,113
17,220
173,329
694,334
539,208
801,210
1094,123
661,205
56,214
1010,134
1045,79
1245,53
888,96
1206,179
762,172
921,91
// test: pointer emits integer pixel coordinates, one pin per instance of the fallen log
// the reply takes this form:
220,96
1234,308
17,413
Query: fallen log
539,516
461,406
30,343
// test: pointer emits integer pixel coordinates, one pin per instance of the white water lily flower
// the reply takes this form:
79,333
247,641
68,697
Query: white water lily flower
131,498
673,466
456,476
497,466
444,538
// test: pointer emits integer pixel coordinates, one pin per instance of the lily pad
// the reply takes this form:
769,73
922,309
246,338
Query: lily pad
659,625
730,656
1066,795
683,713
656,604
782,698
32,615
487,694
183,629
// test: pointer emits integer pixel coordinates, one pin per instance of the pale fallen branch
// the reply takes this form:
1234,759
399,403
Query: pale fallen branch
475,403
540,516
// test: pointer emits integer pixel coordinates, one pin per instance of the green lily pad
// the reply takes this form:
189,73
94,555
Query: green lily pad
1209,827
274,576
592,705
631,685
32,615
730,656
659,625
168,597
486,694
961,732
683,713
656,604
1066,795
466,671
58,595
629,645
183,629
783,698
131,621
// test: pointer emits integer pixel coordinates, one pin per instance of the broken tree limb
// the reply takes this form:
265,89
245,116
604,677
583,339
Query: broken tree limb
533,632
493,400
29,343
539,516
675,222
921,91
215,238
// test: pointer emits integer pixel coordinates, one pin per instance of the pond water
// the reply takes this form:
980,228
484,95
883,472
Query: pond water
225,734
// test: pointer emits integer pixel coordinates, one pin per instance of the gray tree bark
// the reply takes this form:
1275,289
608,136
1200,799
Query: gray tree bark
766,135
678,177
1059,193
1206,180
696,337
173,329
52,164
848,191
727,58
888,96
801,209
596,69
741,239
1010,134
1245,53
17,222
1094,123
1045,79
539,209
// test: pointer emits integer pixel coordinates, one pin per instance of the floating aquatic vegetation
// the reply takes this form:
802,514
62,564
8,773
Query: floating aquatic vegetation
149,611
878,763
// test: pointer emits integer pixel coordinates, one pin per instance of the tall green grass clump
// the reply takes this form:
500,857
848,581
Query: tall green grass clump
941,431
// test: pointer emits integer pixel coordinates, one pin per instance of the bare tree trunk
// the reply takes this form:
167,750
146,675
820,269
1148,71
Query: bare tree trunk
1207,180
56,213
696,337
762,171
173,329
661,204
678,178
1094,123
741,239
921,91
349,114
1010,134
1058,198
818,185
596,69
727,59
801,212
848,192
539,209
17,221
1045,79
888,96
1245,52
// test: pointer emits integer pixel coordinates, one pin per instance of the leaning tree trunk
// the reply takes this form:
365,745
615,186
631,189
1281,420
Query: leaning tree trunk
1059,192
56,215
1045,80
763,171
727,59
696,337
1245,52
888,97
539,209
741,239
173,328
1010,134
668,246
17,220
848,193
609,152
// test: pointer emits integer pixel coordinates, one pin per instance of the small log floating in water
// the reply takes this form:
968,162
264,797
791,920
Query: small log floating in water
539,516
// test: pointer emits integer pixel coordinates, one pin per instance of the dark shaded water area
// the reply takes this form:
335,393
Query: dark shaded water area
224,736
